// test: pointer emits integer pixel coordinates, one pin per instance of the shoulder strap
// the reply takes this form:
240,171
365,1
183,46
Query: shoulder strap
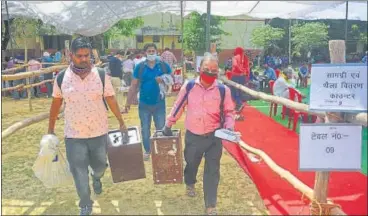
60,77
189,87
163,67
222,94
140,70
101,73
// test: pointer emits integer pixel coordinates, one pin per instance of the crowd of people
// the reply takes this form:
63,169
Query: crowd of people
34,63
240,69
86,125
88,93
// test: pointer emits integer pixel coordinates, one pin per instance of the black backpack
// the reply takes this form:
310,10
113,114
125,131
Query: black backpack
101,73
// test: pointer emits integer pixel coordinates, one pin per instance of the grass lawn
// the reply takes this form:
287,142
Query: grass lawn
23,193
263,106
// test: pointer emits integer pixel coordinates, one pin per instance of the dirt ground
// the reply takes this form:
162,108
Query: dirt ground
23,193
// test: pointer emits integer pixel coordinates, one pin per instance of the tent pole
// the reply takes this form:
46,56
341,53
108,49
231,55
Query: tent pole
9,28
289,41
346,24
182,30
208,25
184,69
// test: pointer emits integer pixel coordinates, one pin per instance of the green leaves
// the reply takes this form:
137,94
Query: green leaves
195,31
308,36
358,34
124,28
25,28
267,37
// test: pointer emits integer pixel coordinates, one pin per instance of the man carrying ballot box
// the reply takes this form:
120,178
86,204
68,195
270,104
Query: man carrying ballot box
209,107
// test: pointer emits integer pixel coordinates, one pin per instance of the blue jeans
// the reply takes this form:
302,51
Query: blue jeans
146,112
49,89
237,93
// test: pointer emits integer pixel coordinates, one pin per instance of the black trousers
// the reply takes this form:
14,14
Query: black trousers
211,147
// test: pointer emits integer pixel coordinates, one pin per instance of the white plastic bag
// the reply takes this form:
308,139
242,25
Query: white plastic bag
50,167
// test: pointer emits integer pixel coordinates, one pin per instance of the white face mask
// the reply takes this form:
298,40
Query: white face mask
151,57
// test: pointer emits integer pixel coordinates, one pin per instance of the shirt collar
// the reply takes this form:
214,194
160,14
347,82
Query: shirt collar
156,62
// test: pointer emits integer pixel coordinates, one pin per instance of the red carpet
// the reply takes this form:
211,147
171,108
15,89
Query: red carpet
348,189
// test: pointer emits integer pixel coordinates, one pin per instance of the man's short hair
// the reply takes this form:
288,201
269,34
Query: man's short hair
150,45
167,49
208,57
289,70
120,52
80,43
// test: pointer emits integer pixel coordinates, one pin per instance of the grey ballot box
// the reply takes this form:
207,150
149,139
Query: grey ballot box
126,161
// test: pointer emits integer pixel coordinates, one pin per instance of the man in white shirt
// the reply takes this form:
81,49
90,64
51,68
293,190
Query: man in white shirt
282,84
140,57
128,67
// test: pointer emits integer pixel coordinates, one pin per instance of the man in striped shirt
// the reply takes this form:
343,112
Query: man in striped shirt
168,57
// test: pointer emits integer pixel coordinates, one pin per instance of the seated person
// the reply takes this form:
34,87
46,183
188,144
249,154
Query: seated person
269,74
282,84
303,75
254,80
228,64
364,59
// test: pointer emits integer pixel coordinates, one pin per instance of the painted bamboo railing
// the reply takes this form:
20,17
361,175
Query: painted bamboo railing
33,73
22,86
285,174
15,69
360,118
25,123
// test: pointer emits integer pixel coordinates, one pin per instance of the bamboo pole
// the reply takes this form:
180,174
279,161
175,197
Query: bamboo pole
272,98
13,70
32,73
360,118
285,174
29,94
22,86
24,123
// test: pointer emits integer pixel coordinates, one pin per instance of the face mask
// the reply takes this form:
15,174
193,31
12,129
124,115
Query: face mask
208,78
151,57
80,71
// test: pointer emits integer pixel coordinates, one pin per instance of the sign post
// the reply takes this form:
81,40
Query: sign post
337,88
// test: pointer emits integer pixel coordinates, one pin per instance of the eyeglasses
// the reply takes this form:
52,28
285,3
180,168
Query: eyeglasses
214,72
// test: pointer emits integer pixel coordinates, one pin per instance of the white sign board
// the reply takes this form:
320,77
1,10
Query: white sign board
330,147
338,87
198,62
66,44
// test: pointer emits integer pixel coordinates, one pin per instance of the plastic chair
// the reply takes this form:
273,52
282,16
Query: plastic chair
294,95
277,71
273,106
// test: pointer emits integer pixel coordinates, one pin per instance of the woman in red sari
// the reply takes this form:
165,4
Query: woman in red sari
239,74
